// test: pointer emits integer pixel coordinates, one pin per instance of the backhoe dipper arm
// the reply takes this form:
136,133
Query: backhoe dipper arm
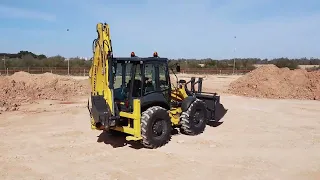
101,77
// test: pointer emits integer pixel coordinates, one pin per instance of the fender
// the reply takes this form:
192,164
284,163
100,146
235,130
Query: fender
187,102
152,100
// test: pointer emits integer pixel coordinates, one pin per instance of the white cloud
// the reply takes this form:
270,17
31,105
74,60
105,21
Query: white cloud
21,13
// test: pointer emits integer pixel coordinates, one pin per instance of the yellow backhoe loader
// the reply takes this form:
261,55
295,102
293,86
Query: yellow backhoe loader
134,95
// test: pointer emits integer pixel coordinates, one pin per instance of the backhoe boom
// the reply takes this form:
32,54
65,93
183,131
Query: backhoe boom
101,71
99,75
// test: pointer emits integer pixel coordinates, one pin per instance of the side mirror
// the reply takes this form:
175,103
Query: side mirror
178,68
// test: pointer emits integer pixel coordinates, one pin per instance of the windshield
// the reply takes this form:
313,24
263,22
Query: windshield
121,80
156,77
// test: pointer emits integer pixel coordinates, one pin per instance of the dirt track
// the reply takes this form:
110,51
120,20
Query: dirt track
259,139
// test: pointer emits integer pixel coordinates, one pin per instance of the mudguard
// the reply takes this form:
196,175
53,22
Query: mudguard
152,100
187,102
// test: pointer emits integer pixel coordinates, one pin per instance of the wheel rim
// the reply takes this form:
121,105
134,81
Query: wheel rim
159,128
198,117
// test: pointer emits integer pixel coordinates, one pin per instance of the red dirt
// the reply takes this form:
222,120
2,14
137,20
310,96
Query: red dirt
280,83
23,87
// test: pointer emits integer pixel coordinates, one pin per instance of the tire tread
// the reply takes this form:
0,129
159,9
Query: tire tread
145,119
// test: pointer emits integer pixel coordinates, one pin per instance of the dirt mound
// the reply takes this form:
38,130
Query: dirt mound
283,83
23,87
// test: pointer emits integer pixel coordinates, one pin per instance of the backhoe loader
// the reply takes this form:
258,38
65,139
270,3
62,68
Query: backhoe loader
135,95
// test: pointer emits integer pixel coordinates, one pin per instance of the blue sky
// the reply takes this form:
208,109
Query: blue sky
174,28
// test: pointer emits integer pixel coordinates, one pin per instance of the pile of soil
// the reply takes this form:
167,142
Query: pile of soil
23,87
280,83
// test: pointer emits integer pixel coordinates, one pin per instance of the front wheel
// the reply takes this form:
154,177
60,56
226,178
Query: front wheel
194,120
155,127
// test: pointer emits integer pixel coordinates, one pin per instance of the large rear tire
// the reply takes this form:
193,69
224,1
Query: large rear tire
155,127
194,119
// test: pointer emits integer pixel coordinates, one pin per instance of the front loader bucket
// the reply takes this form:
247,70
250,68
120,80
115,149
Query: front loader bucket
219,112
215,109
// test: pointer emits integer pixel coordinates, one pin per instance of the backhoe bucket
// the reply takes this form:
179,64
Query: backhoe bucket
215,109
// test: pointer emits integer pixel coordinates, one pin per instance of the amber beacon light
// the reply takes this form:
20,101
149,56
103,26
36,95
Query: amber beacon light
155,54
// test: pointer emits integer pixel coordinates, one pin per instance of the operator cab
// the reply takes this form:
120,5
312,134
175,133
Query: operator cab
145,78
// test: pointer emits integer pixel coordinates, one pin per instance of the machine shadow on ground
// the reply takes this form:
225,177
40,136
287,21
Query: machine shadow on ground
119,139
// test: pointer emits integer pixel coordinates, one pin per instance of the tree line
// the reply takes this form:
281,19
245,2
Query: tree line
25,59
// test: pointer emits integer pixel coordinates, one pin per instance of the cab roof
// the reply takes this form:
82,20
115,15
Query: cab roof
140,59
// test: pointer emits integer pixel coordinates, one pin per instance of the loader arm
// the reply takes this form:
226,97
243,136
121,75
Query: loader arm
101,76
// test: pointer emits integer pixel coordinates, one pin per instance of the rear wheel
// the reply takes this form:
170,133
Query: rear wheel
155,127
194,120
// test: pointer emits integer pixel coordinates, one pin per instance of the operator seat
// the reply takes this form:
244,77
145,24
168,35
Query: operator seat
136,90
148,86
